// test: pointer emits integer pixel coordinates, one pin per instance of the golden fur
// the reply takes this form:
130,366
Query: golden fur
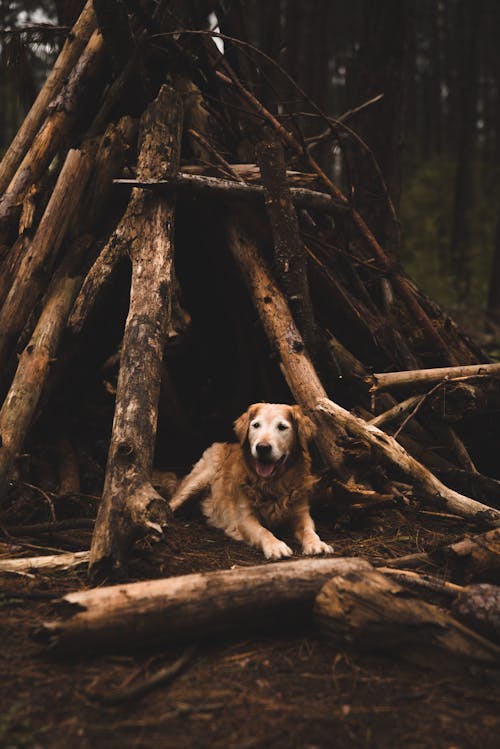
246,492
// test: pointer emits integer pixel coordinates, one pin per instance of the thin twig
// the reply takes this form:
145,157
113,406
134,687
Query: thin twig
417,408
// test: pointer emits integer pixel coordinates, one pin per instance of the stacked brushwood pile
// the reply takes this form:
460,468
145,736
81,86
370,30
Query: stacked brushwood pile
158,220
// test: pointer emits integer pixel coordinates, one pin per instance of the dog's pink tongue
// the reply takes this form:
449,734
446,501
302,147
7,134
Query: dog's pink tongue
264,469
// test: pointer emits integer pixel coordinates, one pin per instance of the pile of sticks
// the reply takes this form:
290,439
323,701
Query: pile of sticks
148,167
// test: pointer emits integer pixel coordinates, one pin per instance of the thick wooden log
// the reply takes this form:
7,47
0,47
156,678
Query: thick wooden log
290,260
71,51
130,505
284,338
193,606
387,380
474,557
479,607
302,197
63,115
386,448
371,612
36,263
20,405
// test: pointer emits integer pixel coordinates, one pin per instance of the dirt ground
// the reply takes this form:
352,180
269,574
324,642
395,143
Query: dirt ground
293,689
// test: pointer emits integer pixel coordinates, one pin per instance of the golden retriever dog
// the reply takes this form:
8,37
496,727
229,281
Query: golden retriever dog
261,482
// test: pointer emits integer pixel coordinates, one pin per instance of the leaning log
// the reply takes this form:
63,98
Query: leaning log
284,338
71,51
130,506
39,255
22,400
193,606
386,449
62,117
371,612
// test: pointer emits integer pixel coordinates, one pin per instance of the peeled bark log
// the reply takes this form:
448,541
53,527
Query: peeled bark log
38,259
130,505
387,380
63,115
193,606
51,563
367,610
71,51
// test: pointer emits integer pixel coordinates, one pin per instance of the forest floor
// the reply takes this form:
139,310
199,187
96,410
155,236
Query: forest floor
287,690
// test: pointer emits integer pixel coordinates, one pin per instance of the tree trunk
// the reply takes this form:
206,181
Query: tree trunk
193,606
371,612
130,506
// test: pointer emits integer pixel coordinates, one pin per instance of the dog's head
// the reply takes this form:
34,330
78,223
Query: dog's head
272,435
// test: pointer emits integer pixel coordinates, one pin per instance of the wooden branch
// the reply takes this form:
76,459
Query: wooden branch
391,452
50,563
284,338
396,412
37,261
290,259
400,283
367,610
20,405
63,115
387,380
71,51
130,505
192,606
301,196
250,173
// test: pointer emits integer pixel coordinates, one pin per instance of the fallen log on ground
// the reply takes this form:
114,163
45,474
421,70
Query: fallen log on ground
49,563
371,612
193,606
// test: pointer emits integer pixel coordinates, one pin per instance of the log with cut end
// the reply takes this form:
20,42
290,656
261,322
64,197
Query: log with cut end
369,611
130,506
193,606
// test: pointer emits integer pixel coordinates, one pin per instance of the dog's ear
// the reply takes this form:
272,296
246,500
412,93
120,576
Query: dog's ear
306,429
243,422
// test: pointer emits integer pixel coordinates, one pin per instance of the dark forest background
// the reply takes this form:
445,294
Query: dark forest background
435,132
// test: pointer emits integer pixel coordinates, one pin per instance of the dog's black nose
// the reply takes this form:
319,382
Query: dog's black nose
263,450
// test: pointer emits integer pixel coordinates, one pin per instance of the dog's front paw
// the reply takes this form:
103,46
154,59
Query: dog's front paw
276,549
316,546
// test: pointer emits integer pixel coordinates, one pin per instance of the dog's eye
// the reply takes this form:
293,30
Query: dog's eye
255,425
283,427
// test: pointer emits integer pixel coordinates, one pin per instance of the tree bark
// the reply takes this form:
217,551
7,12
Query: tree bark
130,506
20,405
39,256
71,51
284,338
386,448
371,612
63,115
193,606
387,380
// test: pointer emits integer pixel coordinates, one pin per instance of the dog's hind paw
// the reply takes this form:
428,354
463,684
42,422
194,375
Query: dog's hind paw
317,546
276,549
